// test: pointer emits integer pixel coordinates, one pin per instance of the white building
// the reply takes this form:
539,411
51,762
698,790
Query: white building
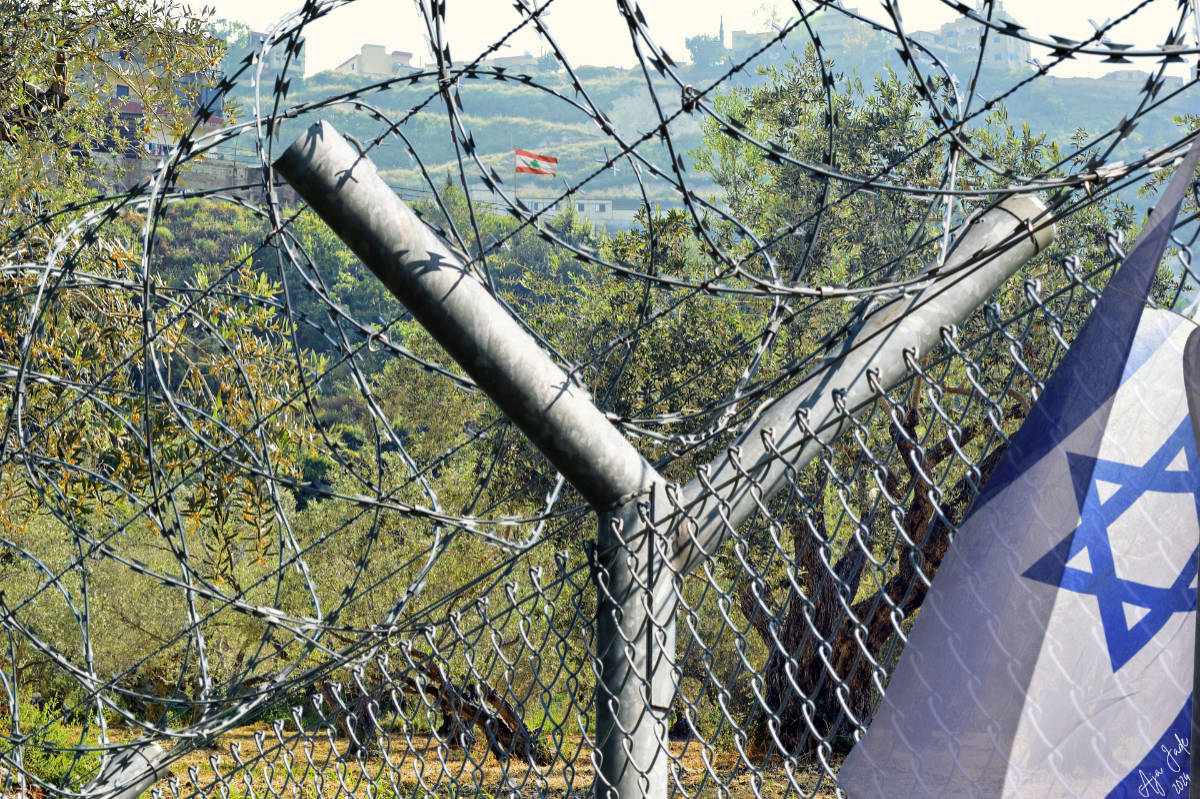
277,57
373,60
612,212
958,41
745,42
526,61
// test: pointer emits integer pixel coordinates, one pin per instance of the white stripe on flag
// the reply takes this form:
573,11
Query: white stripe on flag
534,164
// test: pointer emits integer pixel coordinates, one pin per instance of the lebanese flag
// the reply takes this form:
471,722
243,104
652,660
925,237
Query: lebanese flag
536,164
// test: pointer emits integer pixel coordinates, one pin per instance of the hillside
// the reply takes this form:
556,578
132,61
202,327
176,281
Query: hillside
500,115
503,115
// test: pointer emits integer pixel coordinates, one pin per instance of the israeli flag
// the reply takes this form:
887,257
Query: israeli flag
1053,656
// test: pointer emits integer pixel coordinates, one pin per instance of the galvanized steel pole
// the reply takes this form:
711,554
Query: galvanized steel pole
635,597
449,301
994,245
129,772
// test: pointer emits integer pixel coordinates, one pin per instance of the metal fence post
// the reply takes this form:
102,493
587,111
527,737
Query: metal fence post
635,643
129,772
635,624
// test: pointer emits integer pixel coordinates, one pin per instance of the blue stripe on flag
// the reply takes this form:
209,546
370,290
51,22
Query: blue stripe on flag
1164,771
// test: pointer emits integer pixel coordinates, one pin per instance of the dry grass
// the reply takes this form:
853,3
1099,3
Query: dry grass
313,765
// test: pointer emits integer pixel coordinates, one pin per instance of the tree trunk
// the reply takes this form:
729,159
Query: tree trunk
817,679
463,709
355,717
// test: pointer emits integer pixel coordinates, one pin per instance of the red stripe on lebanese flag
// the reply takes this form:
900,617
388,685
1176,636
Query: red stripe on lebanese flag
535,164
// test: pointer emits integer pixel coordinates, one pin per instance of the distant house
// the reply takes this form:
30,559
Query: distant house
749,41
511,61
277,56
958,41
373,60
612,212
125,82
142,135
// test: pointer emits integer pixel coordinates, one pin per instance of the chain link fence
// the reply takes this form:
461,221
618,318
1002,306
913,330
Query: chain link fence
271,533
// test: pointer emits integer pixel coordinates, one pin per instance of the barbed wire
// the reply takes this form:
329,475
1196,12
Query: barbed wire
246,492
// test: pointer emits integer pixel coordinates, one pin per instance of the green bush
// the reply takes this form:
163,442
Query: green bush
53,752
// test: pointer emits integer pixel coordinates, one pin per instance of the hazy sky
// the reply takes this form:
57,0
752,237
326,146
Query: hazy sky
592,32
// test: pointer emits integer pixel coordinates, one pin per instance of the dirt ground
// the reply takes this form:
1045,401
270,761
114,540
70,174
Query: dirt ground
256,762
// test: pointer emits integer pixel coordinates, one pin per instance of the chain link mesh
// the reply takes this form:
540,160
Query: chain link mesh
262,533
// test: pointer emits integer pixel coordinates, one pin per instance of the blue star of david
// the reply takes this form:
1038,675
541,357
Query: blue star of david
1112,592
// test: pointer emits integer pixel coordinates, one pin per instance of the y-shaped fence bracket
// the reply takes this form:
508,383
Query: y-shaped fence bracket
644,540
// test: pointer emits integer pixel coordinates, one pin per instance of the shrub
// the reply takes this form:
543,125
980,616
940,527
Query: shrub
55,752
